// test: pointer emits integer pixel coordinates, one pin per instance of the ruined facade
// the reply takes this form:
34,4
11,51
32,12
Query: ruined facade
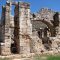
27,32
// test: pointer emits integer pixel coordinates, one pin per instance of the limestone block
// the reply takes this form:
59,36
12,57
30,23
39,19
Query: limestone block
24,44
12,24
51,52
5,50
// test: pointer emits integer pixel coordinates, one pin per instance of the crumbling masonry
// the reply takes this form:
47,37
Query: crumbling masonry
27,32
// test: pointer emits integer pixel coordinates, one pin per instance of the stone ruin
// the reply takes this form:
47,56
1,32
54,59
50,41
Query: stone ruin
27,32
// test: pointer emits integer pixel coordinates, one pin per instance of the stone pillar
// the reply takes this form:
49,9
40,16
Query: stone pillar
7,37
25,27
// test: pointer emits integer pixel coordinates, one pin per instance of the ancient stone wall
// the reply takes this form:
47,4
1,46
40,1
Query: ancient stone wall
7,37
17,30
25,27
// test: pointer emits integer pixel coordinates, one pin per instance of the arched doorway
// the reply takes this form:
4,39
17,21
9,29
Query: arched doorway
37,24
44,30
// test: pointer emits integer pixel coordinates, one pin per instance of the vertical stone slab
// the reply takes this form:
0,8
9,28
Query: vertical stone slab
25,27
7,41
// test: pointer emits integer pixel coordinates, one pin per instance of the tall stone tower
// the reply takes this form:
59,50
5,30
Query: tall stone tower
7,35
25,27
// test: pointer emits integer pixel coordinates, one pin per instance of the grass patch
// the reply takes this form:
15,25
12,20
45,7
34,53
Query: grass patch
47,57
53,57
36,57
4,59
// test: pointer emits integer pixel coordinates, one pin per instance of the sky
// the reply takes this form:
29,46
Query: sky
36,5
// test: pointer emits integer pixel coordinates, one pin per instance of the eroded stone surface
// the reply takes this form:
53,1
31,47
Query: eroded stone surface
26,33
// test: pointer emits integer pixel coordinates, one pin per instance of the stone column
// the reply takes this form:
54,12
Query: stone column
7,38
25,27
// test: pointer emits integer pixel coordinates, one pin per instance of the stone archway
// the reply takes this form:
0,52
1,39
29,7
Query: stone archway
50,26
